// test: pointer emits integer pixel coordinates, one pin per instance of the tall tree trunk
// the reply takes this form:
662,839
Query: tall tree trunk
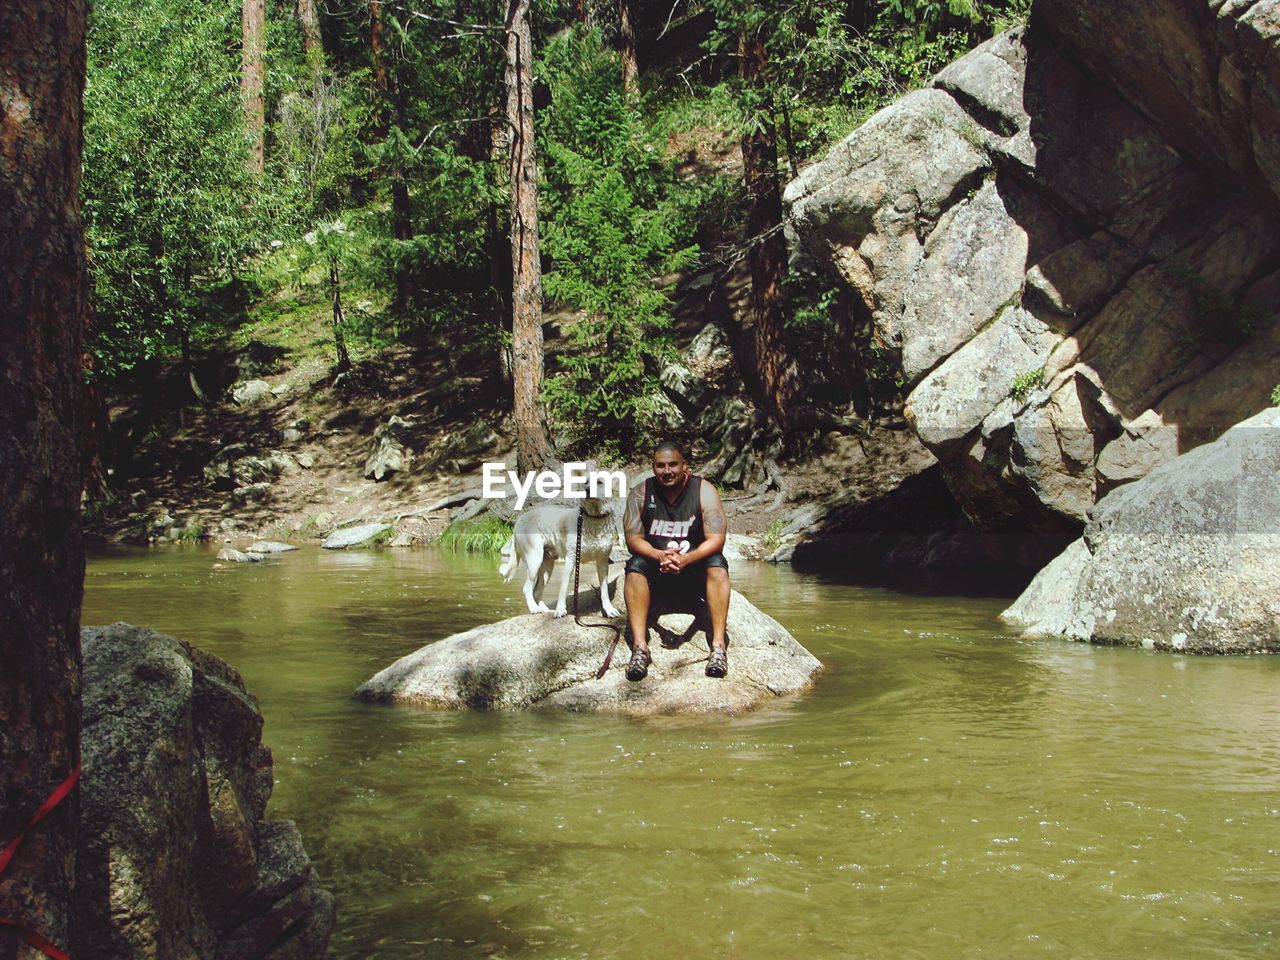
861,14
401,207
378,57
43,310
252,73
627,48
390,102
339,318
309,24
498,248
533,442
188,366
779,378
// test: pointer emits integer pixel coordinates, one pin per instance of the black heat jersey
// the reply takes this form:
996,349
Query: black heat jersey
673,526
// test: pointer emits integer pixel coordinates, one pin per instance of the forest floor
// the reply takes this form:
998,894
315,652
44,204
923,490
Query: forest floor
449,392
327,430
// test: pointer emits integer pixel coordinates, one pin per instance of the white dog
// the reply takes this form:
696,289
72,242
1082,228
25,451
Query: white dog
549,533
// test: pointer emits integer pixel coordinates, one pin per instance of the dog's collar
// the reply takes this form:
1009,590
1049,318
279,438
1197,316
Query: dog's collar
595,516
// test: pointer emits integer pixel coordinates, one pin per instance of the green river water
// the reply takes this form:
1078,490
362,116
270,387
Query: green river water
945,790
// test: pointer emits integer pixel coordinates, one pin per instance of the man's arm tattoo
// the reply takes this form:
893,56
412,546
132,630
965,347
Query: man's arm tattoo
714,519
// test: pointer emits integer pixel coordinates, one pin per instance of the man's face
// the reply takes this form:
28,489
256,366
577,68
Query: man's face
669,468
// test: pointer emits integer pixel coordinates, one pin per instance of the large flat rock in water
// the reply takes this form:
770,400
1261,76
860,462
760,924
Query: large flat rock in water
538,661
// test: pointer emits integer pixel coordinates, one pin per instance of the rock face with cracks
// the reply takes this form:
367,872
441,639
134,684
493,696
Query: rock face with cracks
534,661
1069,243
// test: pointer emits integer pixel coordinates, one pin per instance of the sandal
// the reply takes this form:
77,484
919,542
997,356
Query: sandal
638,668
718,662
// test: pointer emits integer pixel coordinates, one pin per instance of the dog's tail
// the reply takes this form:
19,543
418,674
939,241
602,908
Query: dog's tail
508,568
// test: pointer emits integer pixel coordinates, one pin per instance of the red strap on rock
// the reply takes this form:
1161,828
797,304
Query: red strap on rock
35,940
55,798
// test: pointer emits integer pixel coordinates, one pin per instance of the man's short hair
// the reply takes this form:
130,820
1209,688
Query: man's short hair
673,446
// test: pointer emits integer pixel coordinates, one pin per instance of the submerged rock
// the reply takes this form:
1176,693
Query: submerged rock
1187,558
232,555
175,858
271,546
537,661
354,536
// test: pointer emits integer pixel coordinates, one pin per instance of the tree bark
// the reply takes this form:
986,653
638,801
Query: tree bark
339,318
498,248
252,73
378,56
779,378
309,24
627,48
43,310
533,441
401,206
860,15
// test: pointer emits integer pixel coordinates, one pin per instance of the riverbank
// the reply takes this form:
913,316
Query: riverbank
287,461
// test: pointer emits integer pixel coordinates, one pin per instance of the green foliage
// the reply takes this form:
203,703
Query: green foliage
611,226
192,532
813,298
1024,383
772,536
330,247
485,534
312,163
1275,395
169,204
978,17
828,73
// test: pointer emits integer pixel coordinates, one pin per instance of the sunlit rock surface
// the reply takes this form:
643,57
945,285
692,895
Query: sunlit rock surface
1069,242
1187,558
535,661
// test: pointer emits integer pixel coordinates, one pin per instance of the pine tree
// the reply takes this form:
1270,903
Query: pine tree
252,76
775,366
627,48
533,442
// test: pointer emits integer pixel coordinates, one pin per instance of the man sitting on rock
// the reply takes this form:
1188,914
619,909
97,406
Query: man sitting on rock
675,527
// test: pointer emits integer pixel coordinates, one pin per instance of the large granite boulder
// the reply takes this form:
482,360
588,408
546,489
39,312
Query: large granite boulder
538,661
175,859
1187,558
1073,282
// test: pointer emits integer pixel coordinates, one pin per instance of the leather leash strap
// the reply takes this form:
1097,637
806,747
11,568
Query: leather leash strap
577,572
21,929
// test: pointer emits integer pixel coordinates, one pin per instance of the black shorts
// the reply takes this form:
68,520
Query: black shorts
691,580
